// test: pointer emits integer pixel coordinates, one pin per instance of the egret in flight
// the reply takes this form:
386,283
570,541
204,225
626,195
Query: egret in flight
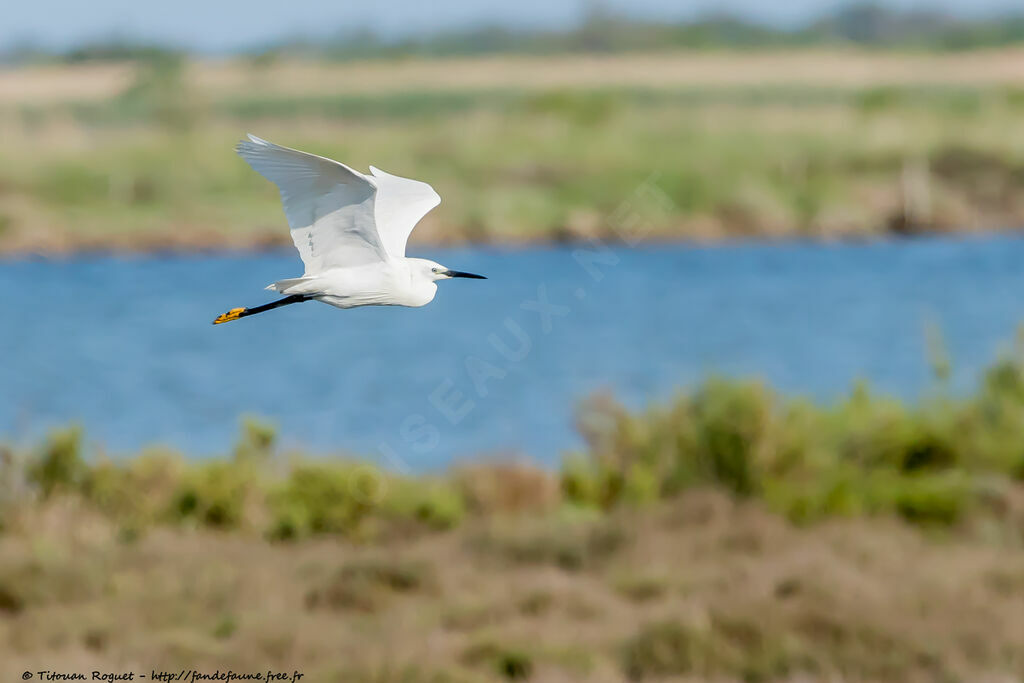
350,230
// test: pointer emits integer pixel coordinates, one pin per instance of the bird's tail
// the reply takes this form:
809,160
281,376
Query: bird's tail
236,313
283,286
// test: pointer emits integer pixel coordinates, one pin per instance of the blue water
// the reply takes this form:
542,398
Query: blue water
125,345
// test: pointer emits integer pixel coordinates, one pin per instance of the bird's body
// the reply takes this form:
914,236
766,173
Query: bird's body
386,283
350,230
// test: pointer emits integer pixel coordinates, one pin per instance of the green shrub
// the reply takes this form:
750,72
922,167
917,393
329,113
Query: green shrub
136,492
864,455
934,499
580,482
871,431
319,498
59,464
725,434
215,494
641,485
733,422
436,503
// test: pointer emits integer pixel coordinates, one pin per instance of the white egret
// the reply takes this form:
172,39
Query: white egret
350,230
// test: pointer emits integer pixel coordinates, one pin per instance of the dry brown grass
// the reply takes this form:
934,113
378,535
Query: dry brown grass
810,68
513,487
699,588
831,68
48,84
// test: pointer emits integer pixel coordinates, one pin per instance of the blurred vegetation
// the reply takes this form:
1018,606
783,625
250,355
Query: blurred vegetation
152,167
943,462
121,146
729,534
603,30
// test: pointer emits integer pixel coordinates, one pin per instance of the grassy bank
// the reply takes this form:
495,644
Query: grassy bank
731,534
778,145
699,588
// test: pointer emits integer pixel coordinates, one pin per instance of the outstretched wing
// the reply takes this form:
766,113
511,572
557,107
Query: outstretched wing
330,207
401,203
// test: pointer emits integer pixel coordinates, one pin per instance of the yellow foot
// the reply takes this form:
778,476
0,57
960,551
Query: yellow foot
233,314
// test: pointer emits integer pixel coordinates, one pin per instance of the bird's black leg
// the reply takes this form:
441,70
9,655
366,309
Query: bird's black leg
236,313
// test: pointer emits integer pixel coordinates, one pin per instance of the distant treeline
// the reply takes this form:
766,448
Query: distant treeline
604,31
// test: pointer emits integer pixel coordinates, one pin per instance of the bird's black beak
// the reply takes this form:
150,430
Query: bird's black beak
459,273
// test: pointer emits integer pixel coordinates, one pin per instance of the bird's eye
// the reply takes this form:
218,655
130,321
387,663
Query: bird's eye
434,270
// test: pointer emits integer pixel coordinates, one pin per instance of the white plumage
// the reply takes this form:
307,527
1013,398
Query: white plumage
350,230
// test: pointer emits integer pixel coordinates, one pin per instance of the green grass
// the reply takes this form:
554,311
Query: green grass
148,168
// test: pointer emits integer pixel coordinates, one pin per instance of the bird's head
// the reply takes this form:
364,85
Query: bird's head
435,271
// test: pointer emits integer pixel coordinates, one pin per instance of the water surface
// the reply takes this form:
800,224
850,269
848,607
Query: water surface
125,345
